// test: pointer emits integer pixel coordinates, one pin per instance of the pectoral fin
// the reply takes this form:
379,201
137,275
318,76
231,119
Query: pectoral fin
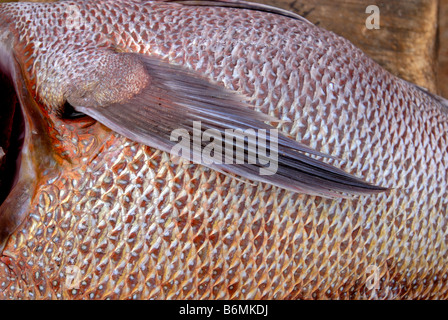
166,98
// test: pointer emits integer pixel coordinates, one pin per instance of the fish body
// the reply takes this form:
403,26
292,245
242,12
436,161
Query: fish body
109,217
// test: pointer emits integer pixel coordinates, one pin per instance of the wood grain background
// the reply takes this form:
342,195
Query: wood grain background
443,49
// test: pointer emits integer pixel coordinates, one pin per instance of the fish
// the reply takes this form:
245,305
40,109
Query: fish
99,202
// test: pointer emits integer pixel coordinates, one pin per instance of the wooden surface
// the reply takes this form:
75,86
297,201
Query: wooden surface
443,48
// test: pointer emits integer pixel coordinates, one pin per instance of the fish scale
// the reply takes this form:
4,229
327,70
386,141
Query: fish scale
139,226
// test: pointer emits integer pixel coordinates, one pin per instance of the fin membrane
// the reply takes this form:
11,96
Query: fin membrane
176,100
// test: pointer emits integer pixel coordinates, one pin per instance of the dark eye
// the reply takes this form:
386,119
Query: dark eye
69,113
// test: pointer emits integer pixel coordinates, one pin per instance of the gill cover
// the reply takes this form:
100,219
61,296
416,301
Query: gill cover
28,152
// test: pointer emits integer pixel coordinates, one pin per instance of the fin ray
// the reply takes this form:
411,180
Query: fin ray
240,4
176,98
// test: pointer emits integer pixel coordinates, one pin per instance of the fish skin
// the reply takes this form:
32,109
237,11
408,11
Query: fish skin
139,226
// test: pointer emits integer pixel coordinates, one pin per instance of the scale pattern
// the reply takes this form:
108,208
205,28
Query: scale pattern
129,223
